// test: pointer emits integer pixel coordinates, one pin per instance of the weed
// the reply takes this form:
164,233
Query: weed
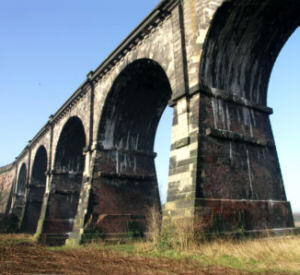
153,221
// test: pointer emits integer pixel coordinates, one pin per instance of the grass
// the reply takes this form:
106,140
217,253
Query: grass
280,255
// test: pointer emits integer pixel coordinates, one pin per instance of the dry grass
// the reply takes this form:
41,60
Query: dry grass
154,225
175,234
269,255
280,254
273,254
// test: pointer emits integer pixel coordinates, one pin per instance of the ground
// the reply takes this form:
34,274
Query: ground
21,255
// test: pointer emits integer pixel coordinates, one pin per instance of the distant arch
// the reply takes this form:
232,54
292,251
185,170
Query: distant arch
66,182
68,154
36,192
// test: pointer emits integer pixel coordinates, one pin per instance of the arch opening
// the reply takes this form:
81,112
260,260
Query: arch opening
66,183
20,191
283,95
162,146
36,192
125,181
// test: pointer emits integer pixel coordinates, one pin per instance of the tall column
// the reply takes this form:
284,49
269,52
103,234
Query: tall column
79,220
183,161
89,153
49,173
184,149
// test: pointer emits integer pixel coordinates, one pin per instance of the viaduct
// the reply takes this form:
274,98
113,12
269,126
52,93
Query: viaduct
91,167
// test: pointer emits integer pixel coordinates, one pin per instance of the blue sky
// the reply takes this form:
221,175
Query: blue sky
284,98
48,47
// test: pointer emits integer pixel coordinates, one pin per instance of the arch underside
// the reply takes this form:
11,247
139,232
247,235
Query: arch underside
66,180
124,180
36,192
237,154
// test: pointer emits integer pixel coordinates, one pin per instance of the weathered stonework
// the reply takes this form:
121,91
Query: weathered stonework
90,170
7,178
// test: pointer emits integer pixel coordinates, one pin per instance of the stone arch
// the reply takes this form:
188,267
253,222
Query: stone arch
36,192
124,179
243,43
66,183
237,152
20,191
